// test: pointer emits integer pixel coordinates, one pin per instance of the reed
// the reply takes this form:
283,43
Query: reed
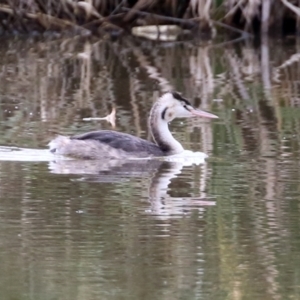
95,17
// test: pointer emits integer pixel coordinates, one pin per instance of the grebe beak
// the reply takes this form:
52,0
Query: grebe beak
201,113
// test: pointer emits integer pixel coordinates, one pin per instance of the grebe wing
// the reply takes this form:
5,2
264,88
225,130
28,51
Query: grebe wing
123,141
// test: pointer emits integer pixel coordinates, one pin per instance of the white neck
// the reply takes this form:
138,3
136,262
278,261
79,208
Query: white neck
160,131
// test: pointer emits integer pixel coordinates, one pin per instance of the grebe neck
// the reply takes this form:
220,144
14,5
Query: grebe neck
160,132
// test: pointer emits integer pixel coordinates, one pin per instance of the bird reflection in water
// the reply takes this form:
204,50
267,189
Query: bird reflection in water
158,175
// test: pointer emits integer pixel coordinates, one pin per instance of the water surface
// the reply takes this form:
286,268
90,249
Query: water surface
225,229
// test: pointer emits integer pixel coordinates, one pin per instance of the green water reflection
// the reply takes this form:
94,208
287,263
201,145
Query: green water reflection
225,229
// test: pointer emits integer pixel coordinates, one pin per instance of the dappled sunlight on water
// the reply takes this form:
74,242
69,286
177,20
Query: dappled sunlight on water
227,227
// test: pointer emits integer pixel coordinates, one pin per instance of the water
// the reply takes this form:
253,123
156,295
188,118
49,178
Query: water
227,228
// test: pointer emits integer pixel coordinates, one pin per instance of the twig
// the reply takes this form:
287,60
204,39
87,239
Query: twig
233,9
244,34
117,7
172,19
292,7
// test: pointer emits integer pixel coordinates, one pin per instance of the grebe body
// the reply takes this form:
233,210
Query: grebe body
105,144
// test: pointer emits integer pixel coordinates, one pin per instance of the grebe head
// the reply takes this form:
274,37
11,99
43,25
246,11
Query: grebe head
176,106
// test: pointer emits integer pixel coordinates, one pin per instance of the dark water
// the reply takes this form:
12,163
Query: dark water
225,229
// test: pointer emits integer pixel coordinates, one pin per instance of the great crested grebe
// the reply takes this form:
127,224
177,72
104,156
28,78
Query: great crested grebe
106,144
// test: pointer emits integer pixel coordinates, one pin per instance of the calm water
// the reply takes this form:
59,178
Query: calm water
225,229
